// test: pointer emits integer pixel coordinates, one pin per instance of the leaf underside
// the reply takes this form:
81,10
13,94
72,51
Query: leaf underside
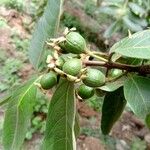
46,28
137,94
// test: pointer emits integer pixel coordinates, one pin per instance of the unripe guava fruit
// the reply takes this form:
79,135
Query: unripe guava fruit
94,78
48,80
74,43
85,92
72,66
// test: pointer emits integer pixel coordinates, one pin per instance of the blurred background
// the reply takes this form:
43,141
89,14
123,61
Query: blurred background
101,23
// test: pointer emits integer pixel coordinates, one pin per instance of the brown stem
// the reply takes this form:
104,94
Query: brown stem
142,69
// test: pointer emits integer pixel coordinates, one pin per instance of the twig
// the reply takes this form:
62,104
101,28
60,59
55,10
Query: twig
142,69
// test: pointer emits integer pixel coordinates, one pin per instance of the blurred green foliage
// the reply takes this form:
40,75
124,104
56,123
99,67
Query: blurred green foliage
90,132
71,21
20,44
132,15
3,23
8,72
13,4
138,144
90,7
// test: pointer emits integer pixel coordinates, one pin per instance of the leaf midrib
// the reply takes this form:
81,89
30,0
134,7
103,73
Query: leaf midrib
66,117
67,113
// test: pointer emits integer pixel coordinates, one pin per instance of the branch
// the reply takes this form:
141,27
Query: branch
142,69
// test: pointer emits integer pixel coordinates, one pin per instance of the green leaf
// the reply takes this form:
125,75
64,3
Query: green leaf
45,28
18,115
112,29
112,109
5,100
115,2
137,9
141,21
109,10
135,46
77,126
131,24
147,121
112,86
59,134
136,91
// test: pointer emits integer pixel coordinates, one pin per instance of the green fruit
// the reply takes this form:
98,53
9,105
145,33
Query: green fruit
74,43
72,66
95,78
48,80
63,49
115,73
85,92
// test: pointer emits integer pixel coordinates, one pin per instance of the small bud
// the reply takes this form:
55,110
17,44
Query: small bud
56,55
51,44
66,31
73,29
54,40
57,48
49,59
61,39
83,71
57,63
51,65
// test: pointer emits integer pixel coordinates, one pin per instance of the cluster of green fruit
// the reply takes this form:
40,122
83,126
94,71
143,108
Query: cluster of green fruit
91,78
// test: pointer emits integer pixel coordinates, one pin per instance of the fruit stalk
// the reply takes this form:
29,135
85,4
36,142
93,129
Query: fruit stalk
96,56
